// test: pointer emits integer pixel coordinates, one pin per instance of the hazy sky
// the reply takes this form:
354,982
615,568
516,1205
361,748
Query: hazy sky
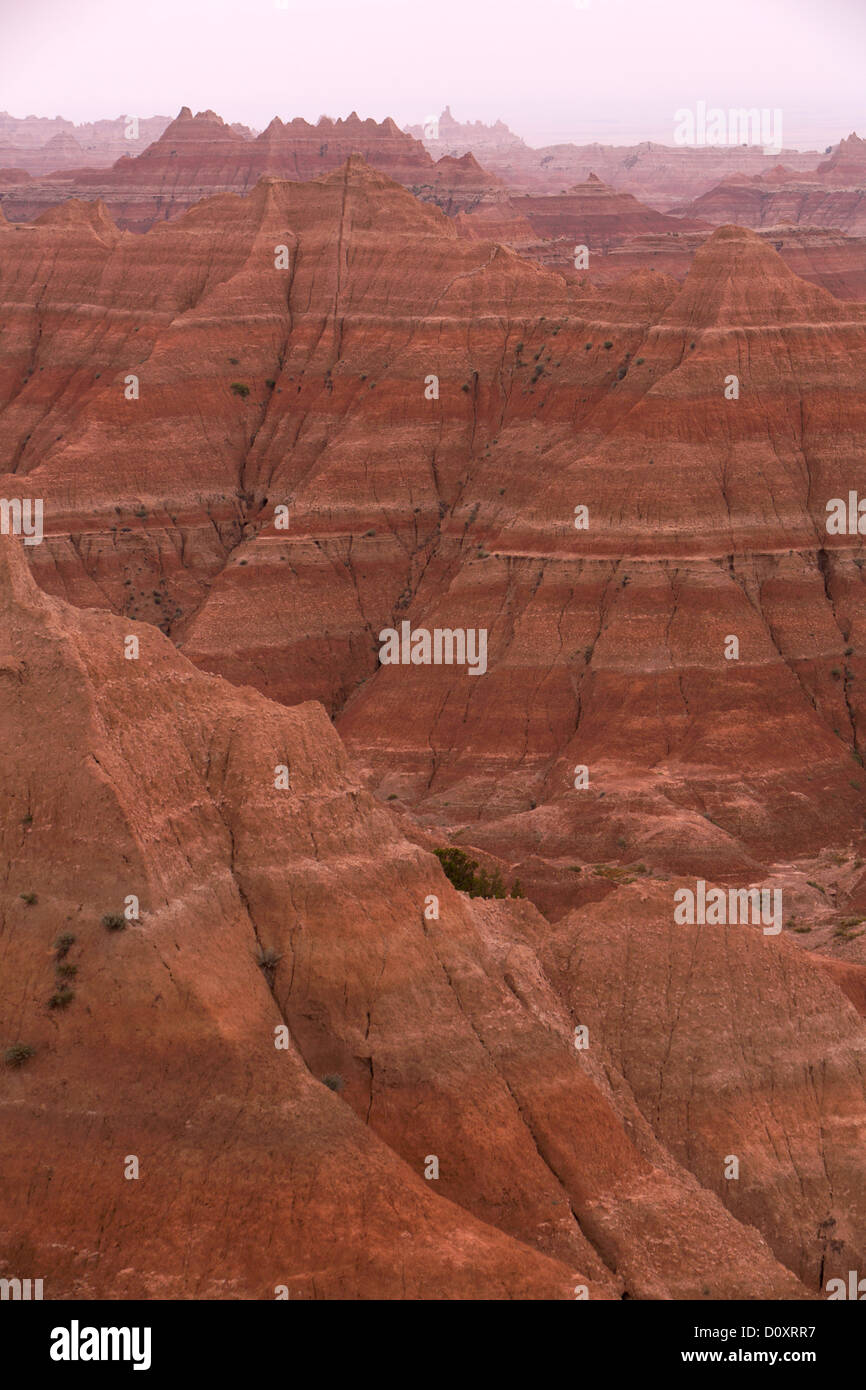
554,70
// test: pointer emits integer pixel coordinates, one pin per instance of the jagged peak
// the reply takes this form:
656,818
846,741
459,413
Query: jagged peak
189,127
737,279
80,212
274,127
462,161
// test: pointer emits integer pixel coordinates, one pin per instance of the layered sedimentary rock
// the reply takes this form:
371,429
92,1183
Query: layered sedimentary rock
824,257
594,210
623,235
41,145
662,175
198,156
831,195
431,410
460,186
735,1046
274,427
168,1090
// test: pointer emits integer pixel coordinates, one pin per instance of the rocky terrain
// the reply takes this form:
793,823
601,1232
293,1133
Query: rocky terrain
200,155
831,195
263,431
662,175
245,1051
39,145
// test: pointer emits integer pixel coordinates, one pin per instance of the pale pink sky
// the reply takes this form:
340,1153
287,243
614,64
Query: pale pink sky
553,70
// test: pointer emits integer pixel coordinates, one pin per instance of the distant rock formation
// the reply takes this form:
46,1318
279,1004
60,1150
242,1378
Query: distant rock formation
199,156
444,135
39,145
831,196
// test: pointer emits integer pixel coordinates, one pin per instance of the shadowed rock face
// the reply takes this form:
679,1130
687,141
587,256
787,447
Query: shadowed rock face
430,409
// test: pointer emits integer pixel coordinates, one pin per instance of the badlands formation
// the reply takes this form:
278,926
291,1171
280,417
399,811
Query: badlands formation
833,195
283,419
662,175
201,155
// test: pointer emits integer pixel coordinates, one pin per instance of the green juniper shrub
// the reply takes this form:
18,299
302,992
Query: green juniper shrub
460,870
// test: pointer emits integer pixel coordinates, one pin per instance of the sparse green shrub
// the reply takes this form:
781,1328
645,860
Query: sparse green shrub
65,970
29,898
63,943
61,999
240,389
334,1082
114,921
18,1054
460,869
608,345
615,873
